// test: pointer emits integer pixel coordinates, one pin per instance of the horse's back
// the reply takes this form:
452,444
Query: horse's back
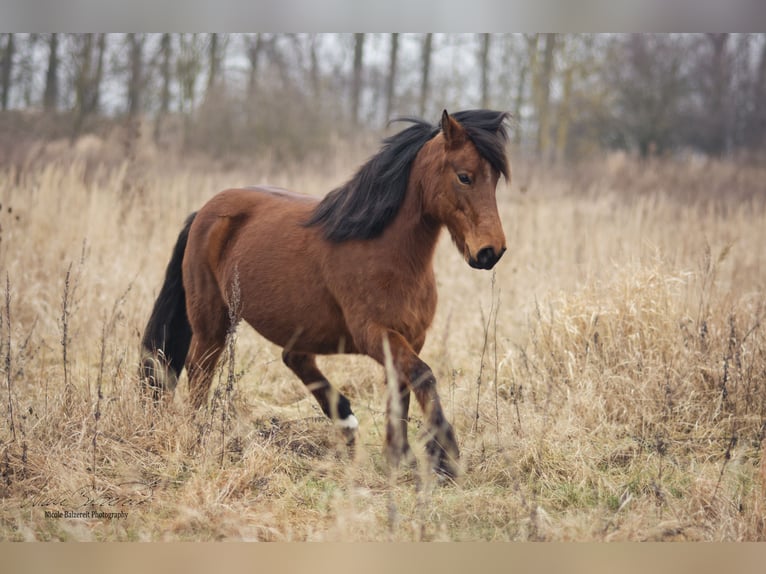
281,193
247,200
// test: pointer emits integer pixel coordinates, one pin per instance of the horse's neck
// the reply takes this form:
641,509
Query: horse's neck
414,231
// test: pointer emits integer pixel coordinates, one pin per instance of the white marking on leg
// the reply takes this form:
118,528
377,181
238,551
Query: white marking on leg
350,422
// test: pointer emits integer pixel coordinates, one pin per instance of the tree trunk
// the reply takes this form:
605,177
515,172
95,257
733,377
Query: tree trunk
533,41
214,64
25,78
188,67
719,84
7,69
83,73
95,85
759,130
562,127
136,79
316,84
255,45
165,54
166,51
519,102
51,95
543,115
253,54
82,82
425,72
356,85
391,81
484,66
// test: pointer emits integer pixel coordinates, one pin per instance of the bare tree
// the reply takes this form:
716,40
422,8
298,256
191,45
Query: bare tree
88,75
648,84
165,55
7,68
83,56
569,67
531,69
95,88
484,67
216,53
391,79
580,60
24,79
213,60
543,102
719,82
254,49
188,68
425,67
518,101
136,75
759,129
51,95
83,74
316,84
356,81
648,91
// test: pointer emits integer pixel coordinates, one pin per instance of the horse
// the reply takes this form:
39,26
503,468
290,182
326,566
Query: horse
350,273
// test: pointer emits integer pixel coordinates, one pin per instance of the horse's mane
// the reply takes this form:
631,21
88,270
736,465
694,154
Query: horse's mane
369,201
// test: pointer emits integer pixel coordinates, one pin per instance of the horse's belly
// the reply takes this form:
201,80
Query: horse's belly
308,325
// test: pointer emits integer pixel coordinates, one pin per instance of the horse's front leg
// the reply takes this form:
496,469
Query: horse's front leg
415,375
441,445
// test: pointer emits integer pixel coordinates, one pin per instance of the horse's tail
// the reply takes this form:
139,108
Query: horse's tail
168,334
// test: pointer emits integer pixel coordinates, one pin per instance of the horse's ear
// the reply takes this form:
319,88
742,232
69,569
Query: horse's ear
454,134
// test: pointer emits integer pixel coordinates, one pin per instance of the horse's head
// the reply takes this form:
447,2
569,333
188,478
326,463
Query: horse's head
463,198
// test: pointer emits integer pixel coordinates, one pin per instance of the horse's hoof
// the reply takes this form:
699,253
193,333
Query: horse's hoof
447,470
444,463
349,437
348,428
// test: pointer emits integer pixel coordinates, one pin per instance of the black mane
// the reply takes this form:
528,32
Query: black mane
486,129
369,201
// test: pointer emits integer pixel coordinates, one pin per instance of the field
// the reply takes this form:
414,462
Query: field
606,382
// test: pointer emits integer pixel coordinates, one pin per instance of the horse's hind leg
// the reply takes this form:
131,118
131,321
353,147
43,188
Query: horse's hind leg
334,404
200,366
209,323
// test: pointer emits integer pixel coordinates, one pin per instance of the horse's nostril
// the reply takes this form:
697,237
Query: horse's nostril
486,257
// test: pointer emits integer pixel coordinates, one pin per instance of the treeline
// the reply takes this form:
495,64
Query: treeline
571,94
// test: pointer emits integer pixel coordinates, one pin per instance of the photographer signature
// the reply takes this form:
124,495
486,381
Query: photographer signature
129,494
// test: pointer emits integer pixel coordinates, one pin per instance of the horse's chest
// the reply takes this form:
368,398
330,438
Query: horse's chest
408,304
396,298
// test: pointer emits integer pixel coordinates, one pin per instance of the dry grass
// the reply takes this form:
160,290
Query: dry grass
610,384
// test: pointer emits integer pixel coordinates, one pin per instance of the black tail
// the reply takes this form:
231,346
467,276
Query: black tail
168,334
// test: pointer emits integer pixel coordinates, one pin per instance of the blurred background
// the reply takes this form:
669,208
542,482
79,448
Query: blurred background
295,96
606,383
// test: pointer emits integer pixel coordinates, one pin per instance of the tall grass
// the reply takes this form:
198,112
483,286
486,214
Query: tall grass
605,383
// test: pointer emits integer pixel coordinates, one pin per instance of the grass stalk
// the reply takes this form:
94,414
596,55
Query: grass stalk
393,434
8,372
65,340
234,311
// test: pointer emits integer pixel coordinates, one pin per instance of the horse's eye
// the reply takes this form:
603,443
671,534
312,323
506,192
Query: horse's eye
464,179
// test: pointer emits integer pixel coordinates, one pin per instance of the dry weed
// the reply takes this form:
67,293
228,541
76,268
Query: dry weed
606,384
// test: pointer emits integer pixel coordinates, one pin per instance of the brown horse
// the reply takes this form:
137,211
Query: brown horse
340,275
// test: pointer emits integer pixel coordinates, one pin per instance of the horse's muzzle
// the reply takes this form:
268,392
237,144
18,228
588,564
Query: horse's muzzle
486,258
